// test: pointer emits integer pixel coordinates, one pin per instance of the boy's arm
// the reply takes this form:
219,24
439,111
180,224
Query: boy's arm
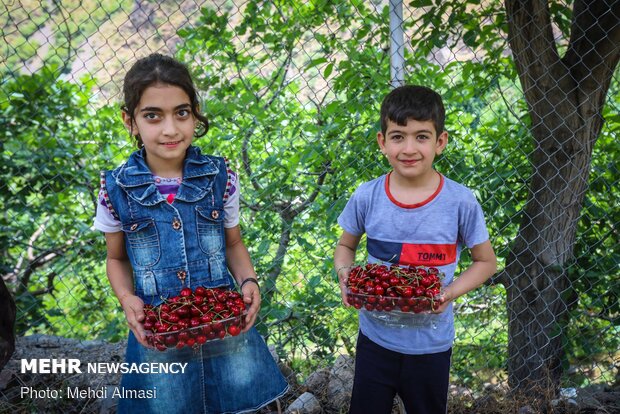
483,267
240,265
344,256
120,276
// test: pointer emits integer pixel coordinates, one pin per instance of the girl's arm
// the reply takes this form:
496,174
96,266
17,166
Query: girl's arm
344,256
483,267
120,276
240,265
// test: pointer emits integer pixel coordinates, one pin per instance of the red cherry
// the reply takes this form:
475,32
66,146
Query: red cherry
171,340
406,291
206,318
186,292
234,330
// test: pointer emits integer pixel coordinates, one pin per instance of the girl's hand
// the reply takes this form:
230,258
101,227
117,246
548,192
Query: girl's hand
133,307
343,277
251,296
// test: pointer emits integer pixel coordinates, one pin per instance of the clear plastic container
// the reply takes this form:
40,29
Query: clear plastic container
198,335
396,311
391,304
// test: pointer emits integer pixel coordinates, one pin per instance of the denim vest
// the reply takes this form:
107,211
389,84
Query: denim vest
172,245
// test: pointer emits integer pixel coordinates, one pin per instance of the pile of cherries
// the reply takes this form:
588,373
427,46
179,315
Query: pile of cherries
194,317
382,288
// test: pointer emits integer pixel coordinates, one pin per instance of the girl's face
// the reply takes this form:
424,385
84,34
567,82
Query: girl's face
165,123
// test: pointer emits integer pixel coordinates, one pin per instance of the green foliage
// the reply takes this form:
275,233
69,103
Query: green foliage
293,91
51,154
285,116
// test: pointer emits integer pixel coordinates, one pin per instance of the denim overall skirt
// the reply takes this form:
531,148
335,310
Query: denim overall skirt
171,246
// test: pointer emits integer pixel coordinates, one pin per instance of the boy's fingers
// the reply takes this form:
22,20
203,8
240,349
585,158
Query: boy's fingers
343,292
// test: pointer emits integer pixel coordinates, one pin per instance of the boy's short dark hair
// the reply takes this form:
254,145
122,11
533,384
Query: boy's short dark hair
413,102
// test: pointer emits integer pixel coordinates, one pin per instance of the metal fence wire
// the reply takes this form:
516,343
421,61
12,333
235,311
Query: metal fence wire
292,92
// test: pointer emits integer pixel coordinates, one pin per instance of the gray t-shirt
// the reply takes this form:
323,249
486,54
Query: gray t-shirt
431,233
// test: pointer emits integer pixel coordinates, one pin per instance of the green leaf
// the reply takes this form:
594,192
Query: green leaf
420,3
328,70
316,62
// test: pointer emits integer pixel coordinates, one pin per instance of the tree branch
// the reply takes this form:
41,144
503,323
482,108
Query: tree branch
594,49
531,40
317,189
282,76
245,157
50,286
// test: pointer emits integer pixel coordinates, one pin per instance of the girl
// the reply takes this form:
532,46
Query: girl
171,219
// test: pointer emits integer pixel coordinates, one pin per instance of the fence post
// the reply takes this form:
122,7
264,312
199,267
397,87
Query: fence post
397,45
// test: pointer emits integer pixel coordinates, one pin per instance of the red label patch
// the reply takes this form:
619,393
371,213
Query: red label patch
427,254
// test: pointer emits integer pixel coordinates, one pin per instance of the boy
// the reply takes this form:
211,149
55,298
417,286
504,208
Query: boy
411,216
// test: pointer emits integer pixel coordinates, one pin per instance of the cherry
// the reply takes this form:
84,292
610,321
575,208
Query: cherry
234,330
186,292
382,288
194,317
406,291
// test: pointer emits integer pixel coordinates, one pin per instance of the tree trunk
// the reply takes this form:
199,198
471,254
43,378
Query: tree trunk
565,97
7,324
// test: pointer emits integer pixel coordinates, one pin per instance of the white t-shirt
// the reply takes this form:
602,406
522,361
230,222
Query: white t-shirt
107,223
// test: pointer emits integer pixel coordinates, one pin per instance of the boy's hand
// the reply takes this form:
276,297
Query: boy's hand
133,307
251,296
444,299
343,277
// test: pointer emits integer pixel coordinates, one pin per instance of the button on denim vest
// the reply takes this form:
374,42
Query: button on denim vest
172,245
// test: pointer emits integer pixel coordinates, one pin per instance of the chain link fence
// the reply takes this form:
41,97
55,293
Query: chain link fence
292,91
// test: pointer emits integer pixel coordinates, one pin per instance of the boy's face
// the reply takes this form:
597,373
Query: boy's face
411,149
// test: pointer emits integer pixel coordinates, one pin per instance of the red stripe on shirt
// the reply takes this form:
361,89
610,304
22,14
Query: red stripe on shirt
427,254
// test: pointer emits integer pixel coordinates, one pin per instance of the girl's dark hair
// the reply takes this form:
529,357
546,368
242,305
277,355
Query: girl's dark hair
413,102
157,68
